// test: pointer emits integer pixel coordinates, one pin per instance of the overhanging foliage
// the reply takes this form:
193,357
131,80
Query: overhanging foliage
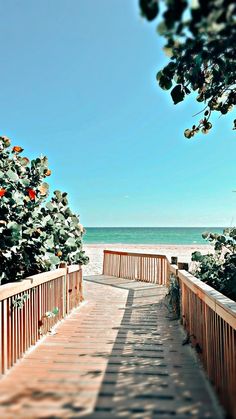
200,41
219,269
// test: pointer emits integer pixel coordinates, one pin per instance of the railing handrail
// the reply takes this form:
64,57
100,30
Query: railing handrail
217,301
73,268
222,305
31,307
149,255
13,288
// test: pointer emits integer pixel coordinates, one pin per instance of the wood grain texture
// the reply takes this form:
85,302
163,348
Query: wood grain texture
23,324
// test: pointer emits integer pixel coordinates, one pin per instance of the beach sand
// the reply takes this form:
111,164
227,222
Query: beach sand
95,252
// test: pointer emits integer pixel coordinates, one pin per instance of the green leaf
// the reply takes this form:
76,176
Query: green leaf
12,175
58,194
149,9
177,94
168,51
55,311
53,259
25,182
188,133
49,243
159,74
12,225
165,83
196,256
70,242
50,206
162,28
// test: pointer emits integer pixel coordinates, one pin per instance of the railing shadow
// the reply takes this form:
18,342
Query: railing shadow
149,373
143,377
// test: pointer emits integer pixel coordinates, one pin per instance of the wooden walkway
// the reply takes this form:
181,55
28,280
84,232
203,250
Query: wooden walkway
119,355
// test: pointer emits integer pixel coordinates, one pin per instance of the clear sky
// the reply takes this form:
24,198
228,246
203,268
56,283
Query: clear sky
77,83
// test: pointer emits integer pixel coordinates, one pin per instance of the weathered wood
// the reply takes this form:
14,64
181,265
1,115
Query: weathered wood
210,319
119,356
222,305
26,309
13,288
183,266
148,255
136,266
208,316
174,260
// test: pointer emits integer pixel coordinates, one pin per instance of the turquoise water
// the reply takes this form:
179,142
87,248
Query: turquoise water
148,235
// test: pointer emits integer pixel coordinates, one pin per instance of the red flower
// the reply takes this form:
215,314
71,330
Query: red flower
17,149
32,194
48,172
2,192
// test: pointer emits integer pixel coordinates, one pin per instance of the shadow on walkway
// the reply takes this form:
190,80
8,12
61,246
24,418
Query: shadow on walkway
118,356
150,373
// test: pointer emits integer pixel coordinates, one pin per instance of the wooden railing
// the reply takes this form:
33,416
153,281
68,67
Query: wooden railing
207,315
74,287
30,308
210,321
138,266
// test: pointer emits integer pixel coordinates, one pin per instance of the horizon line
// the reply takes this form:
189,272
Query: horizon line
157,227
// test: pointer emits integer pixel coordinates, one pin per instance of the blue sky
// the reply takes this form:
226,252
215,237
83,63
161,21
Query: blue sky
78,85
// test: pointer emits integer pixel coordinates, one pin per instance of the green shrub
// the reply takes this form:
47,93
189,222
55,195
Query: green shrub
29,227
173,296
64,230
219,269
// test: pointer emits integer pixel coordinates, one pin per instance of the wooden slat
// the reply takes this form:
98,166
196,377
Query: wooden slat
74,268
149,255
13,288
4,336
20,326
222,305
136,266
208,316
210,319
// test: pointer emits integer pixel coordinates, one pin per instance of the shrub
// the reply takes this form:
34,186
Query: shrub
219,269
173,296
66,230
29,229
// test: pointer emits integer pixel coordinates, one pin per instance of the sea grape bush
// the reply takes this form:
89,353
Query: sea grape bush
200,41
30,228
219,269
21,250
66,230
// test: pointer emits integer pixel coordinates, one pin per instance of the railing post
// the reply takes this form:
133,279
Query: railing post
4,354
103,267
65,289
174,260
183,266
80,273
119,266
39,309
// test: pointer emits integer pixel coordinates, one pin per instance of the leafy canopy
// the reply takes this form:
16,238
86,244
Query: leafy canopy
219,269
35,235
200,41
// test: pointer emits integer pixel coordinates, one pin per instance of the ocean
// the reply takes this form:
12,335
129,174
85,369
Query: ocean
148,235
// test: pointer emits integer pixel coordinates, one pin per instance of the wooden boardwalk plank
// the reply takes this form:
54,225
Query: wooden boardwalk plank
119,355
